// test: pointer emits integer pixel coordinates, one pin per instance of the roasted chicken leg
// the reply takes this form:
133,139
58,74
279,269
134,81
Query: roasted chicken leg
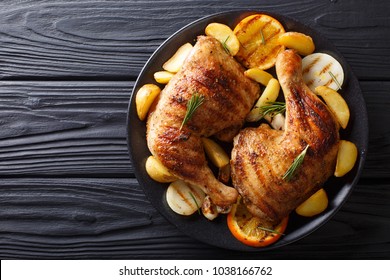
228,97
261,156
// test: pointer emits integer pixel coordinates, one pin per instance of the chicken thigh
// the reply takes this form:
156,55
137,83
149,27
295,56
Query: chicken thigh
228,97
261,156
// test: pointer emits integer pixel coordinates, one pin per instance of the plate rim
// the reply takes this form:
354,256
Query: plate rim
351,78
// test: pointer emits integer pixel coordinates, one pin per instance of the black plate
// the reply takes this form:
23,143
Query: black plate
216,232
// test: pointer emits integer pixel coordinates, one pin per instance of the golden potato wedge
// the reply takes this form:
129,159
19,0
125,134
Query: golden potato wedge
270,94
174,64
314,205
258,75
163,77
215,153
336,104
300,42
144,99
183,198
258,35
225,35
157,171
346,158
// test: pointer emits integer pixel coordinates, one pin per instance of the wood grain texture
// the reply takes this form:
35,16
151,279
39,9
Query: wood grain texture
377,97
110,218
64,128
67,186
75,40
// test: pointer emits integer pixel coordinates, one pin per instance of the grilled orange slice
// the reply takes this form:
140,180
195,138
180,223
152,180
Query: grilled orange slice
258,35
246,228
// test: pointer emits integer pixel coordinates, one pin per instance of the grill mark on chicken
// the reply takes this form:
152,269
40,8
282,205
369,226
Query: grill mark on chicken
172,156
261,156
219,97
223,88
228,97
311,115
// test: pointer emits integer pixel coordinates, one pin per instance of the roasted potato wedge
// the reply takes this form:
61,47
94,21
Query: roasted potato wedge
215,153
346,158
163,77
336,104
144,99
258,35
314,205
258,75
321,69
174,64
183,198
157,171
270,94
300,42
225,35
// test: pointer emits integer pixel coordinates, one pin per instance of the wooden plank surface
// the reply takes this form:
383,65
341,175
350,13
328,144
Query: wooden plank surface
110,218
72,40
64,128
67,187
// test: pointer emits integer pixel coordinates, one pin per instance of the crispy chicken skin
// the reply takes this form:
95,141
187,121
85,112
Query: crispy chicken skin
261,156
228,97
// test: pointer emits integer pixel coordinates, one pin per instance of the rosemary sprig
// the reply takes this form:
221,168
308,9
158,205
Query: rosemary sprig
262,37
193,104
295,165
270,230
335,80
225,45
273,108
196,202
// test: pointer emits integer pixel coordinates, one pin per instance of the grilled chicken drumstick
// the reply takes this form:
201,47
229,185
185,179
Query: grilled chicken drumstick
228,97
261,156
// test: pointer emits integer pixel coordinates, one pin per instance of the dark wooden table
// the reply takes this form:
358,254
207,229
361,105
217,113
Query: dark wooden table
67,187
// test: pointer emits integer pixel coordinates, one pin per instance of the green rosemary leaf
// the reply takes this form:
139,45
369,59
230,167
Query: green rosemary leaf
290,173
262,37
270,230
273,108
196,202
193,104
335,80
225,45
